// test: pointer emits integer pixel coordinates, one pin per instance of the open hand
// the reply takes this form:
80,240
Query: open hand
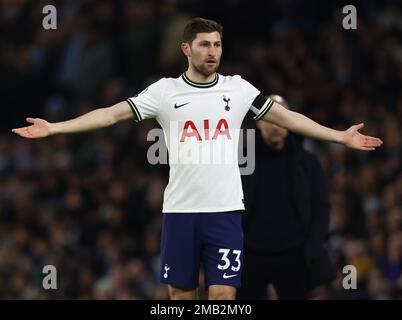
355,140
40,128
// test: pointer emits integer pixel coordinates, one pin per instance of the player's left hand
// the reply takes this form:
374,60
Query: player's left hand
354,139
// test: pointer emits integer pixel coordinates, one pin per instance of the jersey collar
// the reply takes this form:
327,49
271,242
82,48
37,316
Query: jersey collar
198,84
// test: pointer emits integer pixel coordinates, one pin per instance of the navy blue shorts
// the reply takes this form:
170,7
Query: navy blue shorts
214,240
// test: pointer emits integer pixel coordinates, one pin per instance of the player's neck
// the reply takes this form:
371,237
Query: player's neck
198,77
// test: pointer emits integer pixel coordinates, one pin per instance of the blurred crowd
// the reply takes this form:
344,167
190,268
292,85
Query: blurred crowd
90,204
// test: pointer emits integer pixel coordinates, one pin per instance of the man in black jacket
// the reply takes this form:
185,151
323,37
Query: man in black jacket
287,218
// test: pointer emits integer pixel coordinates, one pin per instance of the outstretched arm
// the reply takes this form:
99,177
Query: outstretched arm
302,125
92,120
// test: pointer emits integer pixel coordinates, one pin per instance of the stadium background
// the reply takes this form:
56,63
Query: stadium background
90,203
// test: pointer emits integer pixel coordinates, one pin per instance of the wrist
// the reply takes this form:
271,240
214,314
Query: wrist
341,137
54,128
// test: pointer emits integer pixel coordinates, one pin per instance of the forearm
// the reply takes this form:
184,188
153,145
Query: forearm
303,125
92,120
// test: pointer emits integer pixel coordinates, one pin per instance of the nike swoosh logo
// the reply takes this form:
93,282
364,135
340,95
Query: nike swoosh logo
180,105
226,276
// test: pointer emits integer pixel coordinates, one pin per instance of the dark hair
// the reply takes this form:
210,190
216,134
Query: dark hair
199,25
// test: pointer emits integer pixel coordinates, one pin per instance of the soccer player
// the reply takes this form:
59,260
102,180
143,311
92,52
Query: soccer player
202,201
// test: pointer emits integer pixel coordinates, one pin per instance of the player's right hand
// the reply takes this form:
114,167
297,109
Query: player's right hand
39,129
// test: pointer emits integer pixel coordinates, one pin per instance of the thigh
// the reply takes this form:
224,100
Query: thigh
180,250
176,293
222,248
221,292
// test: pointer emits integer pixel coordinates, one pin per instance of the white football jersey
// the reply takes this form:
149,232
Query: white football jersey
201,123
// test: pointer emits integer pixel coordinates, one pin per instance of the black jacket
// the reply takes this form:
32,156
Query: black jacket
311,200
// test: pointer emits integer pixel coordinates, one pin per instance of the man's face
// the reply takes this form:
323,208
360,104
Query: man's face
205,52
271,133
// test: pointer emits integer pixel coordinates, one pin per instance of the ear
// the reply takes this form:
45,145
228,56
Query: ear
185,47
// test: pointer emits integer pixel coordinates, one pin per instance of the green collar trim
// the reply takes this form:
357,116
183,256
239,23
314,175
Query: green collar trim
198,84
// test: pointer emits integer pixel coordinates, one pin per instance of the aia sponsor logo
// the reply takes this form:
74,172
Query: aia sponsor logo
190,130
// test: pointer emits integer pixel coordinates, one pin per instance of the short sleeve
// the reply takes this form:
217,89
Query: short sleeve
259,104
146,104
248,90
